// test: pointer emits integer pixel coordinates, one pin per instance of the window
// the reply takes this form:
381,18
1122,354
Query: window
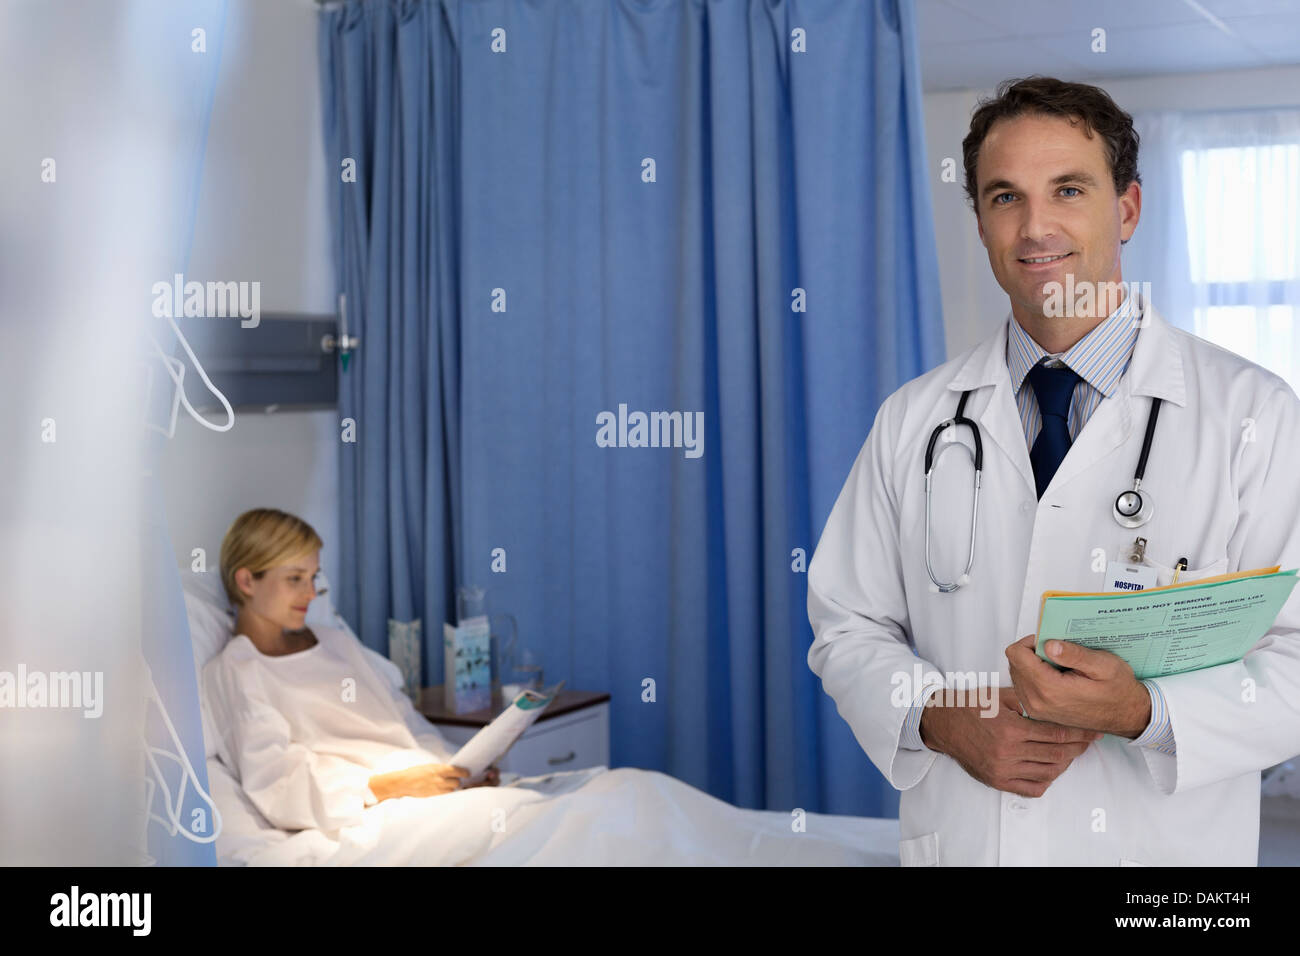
1242,206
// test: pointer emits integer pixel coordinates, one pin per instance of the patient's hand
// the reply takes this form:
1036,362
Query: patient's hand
426,780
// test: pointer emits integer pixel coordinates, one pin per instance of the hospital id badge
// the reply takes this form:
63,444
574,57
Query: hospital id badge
1123,576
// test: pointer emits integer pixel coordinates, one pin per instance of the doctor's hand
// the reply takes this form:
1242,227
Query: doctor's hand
997,746
1097,692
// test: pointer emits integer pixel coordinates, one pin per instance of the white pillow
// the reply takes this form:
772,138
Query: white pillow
212,620
212,625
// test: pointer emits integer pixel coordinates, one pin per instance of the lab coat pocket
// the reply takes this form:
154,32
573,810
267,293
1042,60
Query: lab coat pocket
1165,575
919,851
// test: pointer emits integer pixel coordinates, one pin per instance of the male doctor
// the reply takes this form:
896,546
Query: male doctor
1084,765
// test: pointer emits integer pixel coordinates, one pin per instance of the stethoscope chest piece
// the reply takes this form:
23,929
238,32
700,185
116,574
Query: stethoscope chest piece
1134,508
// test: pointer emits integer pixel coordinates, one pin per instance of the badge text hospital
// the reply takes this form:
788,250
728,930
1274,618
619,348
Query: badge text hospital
1129,577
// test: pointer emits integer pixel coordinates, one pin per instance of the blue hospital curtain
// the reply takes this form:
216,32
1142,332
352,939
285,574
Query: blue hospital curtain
566,216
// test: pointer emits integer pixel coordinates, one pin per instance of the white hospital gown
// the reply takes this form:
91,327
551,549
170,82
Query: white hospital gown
304,732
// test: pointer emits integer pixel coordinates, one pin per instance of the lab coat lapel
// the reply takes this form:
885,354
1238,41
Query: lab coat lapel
1000,419
1107,429
1156,369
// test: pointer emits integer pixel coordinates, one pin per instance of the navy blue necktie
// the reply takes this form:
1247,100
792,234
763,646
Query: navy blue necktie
1053,387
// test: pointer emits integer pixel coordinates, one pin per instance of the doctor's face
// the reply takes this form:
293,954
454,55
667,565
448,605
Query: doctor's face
281,594
1045,190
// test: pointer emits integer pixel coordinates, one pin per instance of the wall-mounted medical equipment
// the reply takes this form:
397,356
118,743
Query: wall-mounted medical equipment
287,360
345,344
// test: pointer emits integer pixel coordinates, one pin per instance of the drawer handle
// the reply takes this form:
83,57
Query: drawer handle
559,760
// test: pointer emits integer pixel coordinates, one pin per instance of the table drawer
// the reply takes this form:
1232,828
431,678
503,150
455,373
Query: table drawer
571,742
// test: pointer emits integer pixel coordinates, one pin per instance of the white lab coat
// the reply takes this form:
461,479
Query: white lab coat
1224,472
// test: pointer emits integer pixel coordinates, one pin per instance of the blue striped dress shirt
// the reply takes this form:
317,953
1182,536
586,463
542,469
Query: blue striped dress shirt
1100,358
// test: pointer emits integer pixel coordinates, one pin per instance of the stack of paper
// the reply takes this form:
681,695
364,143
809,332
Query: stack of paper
1170,629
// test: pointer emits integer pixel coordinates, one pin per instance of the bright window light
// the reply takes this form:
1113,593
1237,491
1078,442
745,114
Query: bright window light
1243,229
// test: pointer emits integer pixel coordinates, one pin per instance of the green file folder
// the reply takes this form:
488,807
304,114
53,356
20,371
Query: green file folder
1171,629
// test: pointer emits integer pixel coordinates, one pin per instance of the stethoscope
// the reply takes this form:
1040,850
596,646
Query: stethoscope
1131,509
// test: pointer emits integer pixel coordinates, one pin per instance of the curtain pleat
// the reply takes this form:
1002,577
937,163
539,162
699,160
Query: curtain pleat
568,211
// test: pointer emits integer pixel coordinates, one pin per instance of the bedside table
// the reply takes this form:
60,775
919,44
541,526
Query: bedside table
571,734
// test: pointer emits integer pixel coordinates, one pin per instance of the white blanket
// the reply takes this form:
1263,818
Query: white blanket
304,752
594,817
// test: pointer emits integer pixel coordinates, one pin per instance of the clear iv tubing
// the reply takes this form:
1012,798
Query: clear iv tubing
180,387
173,812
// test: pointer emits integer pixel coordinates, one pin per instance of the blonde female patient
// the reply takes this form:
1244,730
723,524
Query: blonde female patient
313,731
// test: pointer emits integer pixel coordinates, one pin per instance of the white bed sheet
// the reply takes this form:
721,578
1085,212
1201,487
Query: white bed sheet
593,817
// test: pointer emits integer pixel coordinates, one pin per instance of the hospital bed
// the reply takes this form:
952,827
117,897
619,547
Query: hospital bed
593,816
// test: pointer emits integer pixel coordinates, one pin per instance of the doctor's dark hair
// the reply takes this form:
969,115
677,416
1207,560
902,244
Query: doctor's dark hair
1047,96
261,539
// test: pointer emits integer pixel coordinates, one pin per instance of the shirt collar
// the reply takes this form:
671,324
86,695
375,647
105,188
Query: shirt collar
1100,357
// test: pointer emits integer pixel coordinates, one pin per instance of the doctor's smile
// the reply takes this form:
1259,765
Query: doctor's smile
1086,451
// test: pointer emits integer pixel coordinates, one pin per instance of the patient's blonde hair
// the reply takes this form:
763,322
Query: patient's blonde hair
260,539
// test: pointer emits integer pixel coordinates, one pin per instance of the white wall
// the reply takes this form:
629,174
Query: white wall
286,460
262,217
973,303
